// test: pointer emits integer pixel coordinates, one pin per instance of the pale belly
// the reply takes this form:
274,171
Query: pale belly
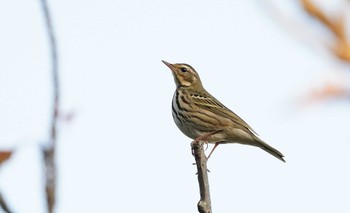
191,131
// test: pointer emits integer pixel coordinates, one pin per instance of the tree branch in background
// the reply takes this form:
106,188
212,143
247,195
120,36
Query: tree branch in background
49,151
204,204
329,90
4,156
336,26
3,205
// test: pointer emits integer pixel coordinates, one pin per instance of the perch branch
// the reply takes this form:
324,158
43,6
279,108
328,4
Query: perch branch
49,151
204,204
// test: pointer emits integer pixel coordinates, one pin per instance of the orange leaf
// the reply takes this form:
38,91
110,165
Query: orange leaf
342,50
329,90
332,90
5,155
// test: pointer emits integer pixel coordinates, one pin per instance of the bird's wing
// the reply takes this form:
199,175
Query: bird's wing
207,101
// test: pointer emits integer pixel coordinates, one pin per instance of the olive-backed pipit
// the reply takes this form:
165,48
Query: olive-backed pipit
201,117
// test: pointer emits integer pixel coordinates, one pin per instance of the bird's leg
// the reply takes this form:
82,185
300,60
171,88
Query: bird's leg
211,152
203,138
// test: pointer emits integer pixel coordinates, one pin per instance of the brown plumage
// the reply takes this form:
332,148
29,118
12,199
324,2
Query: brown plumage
200,116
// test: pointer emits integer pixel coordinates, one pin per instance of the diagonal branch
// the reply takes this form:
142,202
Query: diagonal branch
204,204
4,156
3,205
336,26
49,151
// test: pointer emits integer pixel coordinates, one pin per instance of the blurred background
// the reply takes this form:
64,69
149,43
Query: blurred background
283,66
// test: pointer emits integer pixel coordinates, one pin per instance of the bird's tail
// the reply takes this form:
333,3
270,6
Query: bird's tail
269,149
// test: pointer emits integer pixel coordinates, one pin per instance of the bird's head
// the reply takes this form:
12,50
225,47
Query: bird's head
184,75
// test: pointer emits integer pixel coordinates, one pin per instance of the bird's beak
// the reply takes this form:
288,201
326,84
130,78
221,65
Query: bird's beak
171,66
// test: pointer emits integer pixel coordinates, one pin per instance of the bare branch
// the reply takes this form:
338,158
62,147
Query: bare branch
4,156
341,47
336,26
204,204
49,151
3,205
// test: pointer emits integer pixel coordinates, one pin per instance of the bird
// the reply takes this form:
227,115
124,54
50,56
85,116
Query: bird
201,117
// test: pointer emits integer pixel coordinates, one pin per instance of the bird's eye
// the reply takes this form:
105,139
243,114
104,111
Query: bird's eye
183,69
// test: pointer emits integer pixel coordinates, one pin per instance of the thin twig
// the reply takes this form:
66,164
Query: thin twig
341,47
49,151
4,156
336,26
3,205
204,204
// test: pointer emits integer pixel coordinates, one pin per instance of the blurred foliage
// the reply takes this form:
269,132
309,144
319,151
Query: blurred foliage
4,156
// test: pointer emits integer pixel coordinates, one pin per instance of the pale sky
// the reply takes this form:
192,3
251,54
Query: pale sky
123,152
